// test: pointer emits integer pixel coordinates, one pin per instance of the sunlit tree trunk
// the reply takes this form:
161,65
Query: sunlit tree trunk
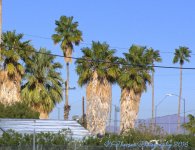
98,95
67,107
68,54
179,100
153,98
9,89
43,115
68,59
130,102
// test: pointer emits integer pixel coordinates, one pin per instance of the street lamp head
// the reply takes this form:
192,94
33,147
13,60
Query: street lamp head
169,94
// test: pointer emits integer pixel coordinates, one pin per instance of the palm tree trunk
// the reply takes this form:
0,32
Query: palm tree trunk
9,89
179,100
98,95
66,107
153,98
68,54
130,102
43,115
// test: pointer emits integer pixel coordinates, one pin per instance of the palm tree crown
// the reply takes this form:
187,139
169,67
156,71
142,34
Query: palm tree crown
154,54
67,34
13,52
43,87
135,76
181,55
99,58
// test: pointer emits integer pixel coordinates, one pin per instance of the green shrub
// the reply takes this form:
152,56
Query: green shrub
18,110
11,137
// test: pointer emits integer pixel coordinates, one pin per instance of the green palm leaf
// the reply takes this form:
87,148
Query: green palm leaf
43,87
66,35
99,51
136,76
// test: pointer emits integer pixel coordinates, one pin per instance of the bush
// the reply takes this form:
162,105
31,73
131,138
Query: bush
145,134
18,110
178,139
11,137
62,140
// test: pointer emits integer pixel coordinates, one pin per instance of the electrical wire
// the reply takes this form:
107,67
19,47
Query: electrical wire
102,61
114,47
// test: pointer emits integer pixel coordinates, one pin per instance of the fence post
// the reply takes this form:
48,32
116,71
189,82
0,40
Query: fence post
116,147
34,137
75,146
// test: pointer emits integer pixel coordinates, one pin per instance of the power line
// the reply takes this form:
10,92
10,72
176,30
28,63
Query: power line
114,47
102,61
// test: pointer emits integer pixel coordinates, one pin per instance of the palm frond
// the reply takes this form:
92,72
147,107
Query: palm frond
43,87
181,55
135,77
90,63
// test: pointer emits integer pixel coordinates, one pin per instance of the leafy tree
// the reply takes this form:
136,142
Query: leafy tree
133,81
43,87
14,52
67,34
17,110
96,70
181,55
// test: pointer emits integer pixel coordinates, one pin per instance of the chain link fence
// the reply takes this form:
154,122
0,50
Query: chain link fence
73,147
167,124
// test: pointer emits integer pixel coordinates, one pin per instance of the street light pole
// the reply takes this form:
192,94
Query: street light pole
184,110
184,104
164,99
158,105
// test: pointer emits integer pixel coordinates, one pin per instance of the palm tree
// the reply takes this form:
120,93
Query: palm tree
181,55
133,81
14,52
43,87
98,76
155,57
190,125
67,34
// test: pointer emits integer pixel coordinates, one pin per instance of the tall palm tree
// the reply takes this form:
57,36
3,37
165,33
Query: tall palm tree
155,57
181,55
133,81
43,87
14,52
98,76
67,34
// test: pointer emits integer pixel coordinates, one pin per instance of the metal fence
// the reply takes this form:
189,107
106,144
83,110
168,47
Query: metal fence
168,124
73,147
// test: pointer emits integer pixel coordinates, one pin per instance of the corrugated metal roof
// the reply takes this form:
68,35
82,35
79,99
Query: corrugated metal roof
54,126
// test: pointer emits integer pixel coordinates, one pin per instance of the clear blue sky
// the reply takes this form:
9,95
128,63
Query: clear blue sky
163,25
